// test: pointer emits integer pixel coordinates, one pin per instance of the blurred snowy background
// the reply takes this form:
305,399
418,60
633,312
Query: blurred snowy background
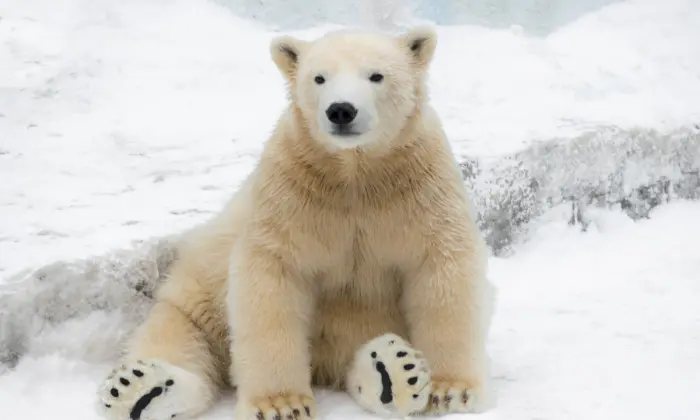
125,122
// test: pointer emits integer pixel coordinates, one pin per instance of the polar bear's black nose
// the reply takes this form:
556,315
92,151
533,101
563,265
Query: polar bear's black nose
341,112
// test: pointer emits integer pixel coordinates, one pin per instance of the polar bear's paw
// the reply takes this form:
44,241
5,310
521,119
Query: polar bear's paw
389,377
151,390
278,407
452,397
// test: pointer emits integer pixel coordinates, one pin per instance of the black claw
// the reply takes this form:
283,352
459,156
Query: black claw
465,397
409,366
448,398
259,415
296,413
124,381
415,396
412,380
169,382
137,373
114,392
401,354
277,417
359,389
391,342
308,411
373,354
108,406
435,400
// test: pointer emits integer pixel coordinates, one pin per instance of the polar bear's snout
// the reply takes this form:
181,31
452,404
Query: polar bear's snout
341,114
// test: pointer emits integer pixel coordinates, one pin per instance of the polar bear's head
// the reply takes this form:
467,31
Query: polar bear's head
355,89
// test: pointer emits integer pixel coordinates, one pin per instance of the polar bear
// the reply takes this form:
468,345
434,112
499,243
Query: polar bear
348,258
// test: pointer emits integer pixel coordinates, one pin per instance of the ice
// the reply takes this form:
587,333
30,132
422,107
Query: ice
125,122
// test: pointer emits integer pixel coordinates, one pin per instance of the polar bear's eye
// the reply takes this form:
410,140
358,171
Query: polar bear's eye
319,80
376,77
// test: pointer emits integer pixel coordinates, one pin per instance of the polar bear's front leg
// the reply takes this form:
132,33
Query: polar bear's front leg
270,310
446,309
389,377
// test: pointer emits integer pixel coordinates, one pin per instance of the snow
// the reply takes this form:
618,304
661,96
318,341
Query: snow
601,325
130,120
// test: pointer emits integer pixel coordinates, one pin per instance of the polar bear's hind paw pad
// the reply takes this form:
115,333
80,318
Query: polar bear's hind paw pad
129,390
390,376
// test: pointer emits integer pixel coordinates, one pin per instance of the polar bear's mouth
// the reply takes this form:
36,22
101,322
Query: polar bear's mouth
342,130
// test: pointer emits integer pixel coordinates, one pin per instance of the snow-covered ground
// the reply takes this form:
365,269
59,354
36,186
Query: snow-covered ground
132,119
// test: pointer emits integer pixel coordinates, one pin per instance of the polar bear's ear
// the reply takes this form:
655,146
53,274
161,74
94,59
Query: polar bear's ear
286,51
420,43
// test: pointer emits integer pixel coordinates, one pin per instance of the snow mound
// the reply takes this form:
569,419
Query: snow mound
634,170
98,300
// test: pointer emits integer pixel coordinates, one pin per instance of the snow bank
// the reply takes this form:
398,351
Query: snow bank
632,170
81,309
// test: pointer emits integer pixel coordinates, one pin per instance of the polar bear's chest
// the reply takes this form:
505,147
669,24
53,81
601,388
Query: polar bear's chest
365,254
